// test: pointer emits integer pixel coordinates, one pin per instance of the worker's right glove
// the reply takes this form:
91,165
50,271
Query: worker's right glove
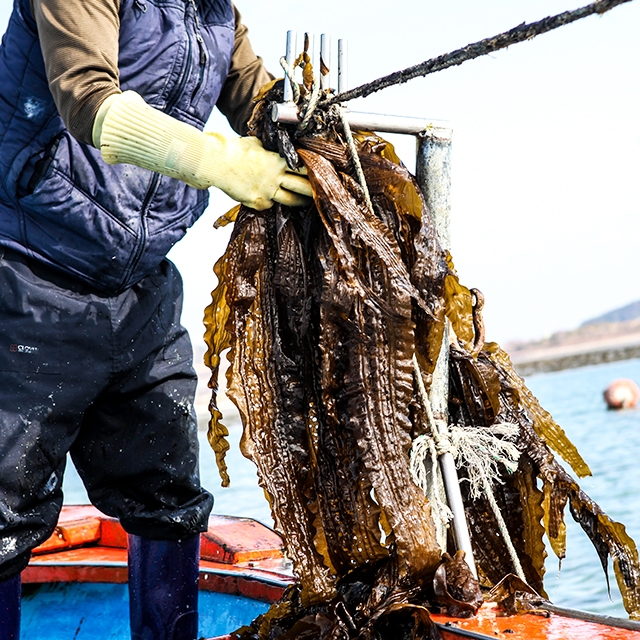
128,130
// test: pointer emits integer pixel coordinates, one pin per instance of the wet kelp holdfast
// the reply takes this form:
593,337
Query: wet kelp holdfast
326,312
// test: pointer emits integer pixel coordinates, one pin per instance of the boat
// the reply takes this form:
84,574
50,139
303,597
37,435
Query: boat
75,584
75,587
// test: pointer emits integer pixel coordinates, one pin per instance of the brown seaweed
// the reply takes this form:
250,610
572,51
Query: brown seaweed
370,604
322,310
455,588
515,596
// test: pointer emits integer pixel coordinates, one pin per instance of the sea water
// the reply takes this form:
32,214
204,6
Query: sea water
608,440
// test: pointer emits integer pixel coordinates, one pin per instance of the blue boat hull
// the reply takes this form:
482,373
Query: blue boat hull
99,611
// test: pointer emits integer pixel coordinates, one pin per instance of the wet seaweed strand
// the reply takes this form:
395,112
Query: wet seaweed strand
321,338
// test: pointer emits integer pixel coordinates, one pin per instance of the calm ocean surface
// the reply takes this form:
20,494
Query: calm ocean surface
609,441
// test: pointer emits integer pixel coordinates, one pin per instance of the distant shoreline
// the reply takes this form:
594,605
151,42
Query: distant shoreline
570,354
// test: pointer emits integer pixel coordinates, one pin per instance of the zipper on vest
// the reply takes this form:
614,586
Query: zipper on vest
202,50
140,5
177,94
175,97
142,241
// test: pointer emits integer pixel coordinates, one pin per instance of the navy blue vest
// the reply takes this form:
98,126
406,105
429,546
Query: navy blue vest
59,202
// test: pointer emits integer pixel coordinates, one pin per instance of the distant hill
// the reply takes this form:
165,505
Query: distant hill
628,312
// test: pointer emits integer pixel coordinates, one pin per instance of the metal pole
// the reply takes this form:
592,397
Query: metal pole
288,114
313,52
325,61
433,172
290,56
343,80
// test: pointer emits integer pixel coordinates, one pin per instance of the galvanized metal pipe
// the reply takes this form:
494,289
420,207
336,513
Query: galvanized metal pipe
313,52
290,56
288,114
325,61
433,172
343,78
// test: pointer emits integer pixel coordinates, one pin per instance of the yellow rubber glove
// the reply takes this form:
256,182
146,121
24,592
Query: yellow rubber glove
128,130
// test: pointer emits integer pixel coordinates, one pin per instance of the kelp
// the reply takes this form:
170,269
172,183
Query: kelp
532,511
323,310
370,603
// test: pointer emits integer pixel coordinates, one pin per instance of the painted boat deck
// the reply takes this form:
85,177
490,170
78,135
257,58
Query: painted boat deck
488,623
75,587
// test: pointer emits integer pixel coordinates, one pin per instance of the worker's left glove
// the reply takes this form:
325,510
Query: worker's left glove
128,130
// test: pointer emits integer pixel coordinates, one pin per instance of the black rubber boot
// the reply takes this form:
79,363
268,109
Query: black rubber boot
163,588
10,608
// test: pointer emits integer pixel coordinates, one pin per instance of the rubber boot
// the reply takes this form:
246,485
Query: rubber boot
10,608
163,588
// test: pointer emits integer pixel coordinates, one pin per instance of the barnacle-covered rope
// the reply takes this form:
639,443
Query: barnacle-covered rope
481,48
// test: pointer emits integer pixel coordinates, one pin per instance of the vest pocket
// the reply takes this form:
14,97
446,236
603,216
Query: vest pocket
68,228
35,169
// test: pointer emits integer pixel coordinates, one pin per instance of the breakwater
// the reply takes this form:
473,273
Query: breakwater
570,356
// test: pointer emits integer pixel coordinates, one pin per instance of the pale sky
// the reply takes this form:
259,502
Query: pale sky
546,162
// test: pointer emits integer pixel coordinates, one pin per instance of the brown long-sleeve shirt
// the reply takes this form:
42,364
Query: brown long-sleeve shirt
79,43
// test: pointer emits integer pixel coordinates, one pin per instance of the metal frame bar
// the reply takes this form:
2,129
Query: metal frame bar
287,113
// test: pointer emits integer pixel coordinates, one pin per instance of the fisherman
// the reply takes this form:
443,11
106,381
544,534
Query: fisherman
103,167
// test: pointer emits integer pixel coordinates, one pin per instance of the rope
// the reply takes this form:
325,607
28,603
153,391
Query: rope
478,449
426,447
502,526
429,479
481,48
289,72
354,156
311,105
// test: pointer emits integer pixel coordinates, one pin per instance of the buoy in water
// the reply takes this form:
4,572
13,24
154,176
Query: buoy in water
622,394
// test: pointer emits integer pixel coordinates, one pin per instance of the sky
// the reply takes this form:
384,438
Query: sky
546,147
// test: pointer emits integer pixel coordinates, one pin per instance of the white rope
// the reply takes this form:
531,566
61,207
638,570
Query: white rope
479,449
354,156
429,479
424,396
289,72
432,484
311,105
502,526
314,98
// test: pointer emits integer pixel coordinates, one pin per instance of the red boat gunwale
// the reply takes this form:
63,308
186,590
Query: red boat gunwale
241,556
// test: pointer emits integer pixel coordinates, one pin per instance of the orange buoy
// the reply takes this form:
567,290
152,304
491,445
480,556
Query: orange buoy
622,394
